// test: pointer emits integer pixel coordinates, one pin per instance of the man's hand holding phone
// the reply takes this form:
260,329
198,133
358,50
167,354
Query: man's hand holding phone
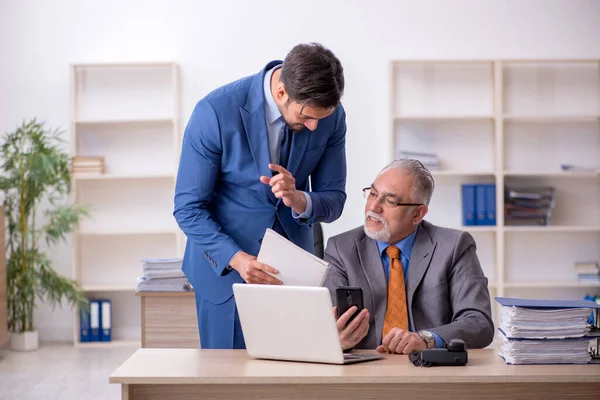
352,333
353,323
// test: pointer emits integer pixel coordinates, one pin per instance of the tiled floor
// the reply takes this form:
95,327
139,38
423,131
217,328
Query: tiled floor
61,371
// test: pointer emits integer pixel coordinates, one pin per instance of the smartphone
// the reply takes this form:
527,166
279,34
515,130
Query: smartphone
348,296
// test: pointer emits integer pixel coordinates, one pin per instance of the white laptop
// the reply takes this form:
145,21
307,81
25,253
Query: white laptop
293,323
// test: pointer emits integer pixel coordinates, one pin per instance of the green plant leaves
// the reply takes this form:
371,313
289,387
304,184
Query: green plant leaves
35,168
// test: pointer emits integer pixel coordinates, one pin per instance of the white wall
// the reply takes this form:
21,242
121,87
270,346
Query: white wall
218,41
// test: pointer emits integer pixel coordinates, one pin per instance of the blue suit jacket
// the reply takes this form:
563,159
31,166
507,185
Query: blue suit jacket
220,203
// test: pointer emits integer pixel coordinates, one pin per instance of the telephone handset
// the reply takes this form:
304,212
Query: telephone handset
454,354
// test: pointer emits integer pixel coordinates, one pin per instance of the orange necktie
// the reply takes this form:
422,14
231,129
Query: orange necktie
396,314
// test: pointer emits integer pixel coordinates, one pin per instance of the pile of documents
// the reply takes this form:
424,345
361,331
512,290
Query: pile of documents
162,275
552,351
529,206
544,331
587,272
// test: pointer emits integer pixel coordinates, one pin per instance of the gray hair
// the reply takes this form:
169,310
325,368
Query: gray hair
424,184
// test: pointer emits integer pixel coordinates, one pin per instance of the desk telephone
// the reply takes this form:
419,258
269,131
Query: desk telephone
455,354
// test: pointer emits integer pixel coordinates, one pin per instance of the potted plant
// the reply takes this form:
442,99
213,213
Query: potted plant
35,177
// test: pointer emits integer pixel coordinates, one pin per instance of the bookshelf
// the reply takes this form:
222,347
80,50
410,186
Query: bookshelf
3,278
128,114
509,122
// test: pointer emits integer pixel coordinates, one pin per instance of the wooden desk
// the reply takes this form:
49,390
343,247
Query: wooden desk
169,320
231,374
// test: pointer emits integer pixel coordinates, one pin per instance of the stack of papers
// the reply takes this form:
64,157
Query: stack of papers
162,275
163,285
553,351
550,323
153,268
544,331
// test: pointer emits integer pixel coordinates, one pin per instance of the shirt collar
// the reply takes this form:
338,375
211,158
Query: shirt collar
272,113
405,245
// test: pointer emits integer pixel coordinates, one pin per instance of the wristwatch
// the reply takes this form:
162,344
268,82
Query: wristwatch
427,338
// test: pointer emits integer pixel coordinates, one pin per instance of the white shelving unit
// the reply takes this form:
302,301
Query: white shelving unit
507,122
127,113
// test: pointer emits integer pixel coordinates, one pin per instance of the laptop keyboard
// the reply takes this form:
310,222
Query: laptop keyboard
351,357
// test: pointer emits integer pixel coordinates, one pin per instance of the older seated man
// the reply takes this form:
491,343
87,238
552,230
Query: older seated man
422,284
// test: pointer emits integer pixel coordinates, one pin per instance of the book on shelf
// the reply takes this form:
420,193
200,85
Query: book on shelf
82,165
587,272
479,204
528,206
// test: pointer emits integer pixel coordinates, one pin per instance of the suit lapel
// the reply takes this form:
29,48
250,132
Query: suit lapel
419,262
255,125
372,265
256,131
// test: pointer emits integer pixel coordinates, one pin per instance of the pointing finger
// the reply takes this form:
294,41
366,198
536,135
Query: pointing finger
279,169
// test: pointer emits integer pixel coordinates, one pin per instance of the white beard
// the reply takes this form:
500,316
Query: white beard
382,235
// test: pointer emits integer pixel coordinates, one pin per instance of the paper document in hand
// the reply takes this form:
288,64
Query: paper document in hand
296,266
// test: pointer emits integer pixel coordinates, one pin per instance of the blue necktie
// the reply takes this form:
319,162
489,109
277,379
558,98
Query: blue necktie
284,155
286,146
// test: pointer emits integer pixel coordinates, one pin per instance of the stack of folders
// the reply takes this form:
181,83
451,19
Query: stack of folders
95,322
528,206
479,204
162,275
545,331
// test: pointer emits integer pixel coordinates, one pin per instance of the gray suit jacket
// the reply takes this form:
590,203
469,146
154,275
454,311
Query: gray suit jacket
446,289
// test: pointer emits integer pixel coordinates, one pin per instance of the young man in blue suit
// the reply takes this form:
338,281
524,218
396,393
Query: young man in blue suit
266,151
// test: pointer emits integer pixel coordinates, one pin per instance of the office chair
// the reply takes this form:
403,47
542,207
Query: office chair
319,245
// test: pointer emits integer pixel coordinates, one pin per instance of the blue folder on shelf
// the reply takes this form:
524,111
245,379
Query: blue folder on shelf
480,205
105,320
84,325
490,204
468,205
94,321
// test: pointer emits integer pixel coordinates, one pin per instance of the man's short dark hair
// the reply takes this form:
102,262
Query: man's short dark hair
313,76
